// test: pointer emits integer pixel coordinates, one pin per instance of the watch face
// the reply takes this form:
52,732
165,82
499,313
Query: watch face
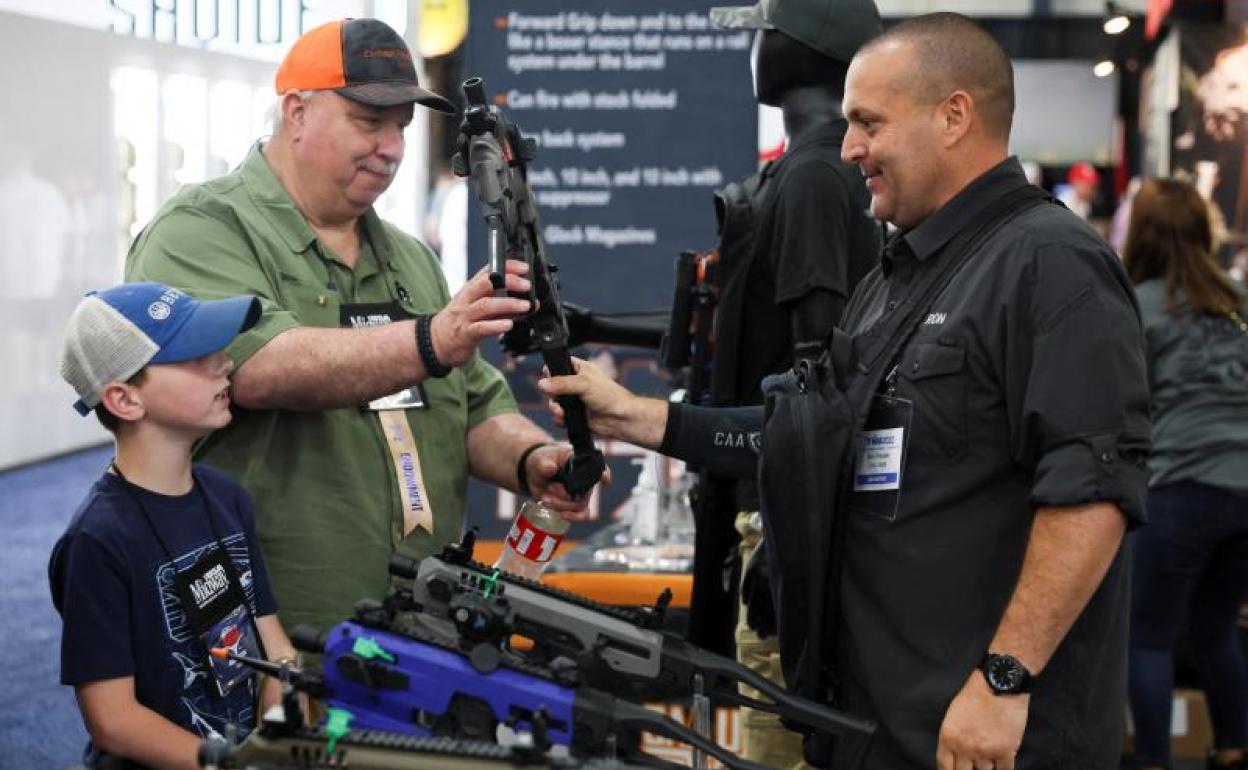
1005,674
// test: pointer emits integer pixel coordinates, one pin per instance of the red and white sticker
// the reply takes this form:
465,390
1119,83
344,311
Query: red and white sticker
532,543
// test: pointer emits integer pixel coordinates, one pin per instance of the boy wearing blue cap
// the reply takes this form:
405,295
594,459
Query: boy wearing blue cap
159,564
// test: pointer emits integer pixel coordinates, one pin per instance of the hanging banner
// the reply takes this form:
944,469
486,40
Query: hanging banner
1210,139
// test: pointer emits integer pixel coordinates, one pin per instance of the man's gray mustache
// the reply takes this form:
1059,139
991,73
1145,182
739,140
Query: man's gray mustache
387,169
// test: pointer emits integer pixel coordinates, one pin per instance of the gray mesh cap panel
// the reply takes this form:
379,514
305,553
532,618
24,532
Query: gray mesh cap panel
102,346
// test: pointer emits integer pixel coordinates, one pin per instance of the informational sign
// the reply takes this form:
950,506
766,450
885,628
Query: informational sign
641,110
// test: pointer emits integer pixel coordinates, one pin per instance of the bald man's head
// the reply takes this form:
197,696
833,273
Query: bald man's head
951,53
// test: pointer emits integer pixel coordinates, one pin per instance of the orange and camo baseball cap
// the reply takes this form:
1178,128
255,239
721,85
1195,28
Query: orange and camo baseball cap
362,59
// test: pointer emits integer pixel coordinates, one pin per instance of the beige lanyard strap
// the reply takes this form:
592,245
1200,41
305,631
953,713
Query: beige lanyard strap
411,482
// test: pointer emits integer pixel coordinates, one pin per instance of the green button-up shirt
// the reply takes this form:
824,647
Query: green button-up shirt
328,513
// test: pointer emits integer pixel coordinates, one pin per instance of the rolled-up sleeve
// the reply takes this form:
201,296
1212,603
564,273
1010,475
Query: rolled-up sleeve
194,249
488,394
1079,395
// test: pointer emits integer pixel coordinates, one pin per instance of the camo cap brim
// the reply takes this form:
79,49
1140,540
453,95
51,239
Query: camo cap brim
742,16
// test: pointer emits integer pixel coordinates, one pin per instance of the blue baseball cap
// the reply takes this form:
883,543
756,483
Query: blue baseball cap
114,333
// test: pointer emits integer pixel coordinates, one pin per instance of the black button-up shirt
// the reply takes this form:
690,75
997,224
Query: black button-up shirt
1029,385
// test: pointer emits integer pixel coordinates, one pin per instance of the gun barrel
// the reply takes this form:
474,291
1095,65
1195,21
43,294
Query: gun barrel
474,92
263,666
676,352
498,255
308,639
404,566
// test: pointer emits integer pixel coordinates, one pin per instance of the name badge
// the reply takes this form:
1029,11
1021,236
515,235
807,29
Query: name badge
363,315
408,398
216,612
880,458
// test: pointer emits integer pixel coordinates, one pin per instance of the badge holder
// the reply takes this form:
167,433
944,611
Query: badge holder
216,612
362,315
880,457
211,595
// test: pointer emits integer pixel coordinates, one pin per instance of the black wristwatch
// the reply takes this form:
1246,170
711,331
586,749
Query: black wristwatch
1005,675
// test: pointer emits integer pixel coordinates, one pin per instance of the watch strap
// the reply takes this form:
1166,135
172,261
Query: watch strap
1025,677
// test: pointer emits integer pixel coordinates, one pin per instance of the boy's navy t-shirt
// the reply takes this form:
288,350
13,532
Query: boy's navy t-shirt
112,582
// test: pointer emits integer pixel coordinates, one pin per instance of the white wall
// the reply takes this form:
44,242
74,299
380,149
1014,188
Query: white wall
97,129
58,210
1063,113
249,29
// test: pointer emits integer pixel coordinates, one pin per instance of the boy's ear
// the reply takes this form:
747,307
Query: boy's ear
123,400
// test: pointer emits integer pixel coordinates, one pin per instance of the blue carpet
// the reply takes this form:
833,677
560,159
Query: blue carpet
39,724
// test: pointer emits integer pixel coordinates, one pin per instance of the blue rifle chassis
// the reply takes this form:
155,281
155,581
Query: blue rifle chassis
425,685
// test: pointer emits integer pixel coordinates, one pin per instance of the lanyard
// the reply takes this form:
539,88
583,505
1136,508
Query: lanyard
127,485
396,291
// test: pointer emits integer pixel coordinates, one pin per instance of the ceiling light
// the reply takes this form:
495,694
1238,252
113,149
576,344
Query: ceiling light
1116,19
443,26
1116,24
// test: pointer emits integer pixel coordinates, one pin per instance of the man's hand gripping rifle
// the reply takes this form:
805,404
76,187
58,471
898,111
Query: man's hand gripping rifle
495,155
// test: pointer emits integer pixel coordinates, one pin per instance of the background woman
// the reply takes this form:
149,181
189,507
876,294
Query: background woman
1191,562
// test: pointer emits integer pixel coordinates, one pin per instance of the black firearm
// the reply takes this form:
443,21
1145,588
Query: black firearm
385,675
683,336
274,747
631,329
280,743
689,339
495,155
615,650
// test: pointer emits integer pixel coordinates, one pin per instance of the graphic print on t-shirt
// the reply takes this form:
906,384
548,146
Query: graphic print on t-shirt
191,669
205,711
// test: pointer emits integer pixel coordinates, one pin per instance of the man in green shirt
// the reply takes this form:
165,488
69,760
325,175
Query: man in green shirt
364,401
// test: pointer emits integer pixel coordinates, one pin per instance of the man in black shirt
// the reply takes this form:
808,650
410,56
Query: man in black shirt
985,611
983,589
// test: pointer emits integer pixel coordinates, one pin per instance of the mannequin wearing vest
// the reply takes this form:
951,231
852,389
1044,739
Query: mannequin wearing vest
807,86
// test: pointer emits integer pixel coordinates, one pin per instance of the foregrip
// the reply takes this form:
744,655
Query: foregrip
584,469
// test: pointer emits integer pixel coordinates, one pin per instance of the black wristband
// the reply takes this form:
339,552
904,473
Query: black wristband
424,346
522,473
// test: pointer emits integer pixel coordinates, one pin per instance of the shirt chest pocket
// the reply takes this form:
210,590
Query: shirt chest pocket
932,376
311,303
